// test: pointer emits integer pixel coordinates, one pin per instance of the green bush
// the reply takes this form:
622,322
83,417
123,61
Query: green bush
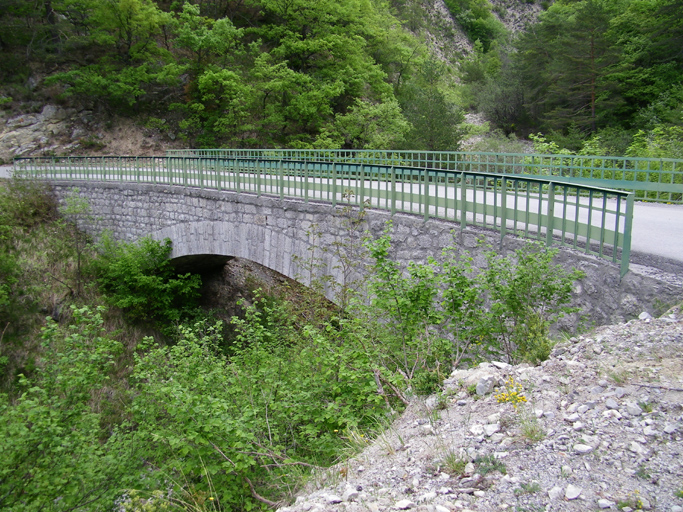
139,279
439,314
54,454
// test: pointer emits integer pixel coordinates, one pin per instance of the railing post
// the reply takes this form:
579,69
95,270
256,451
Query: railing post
393,190
463,201
282,182
362,187
628,225
257,171
237,178
334,184
551,215
426,194
503,210
306,181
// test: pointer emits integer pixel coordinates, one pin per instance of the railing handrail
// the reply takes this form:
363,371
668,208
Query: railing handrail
466,196
650,178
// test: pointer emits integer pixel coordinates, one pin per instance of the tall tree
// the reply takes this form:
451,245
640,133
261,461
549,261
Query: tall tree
568,60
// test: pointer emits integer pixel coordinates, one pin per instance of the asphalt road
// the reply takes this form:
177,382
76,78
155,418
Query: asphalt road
657,228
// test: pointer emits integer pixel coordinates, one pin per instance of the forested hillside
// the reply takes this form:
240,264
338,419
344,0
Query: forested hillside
357,73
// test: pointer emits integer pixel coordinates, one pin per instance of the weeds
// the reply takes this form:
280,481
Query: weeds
632,501
530,488
530,429
643,473
488,464
513,393
454,463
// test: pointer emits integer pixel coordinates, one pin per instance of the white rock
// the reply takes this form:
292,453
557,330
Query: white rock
572,418
477,430
500,365
645,316
479,494
572,492
610,403
427,497
603,503
649,431
489,430
635,448
670,428
582,448
485,385
441,508
493,418
332,499
404,505
350,494
555,493
633,409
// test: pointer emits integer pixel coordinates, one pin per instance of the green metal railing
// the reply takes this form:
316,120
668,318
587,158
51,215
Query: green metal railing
588,218
651,179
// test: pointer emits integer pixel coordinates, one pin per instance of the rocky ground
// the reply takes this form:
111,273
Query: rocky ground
47,130
597,426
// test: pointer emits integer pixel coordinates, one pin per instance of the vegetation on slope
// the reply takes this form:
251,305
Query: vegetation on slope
351,73
93,412
600,75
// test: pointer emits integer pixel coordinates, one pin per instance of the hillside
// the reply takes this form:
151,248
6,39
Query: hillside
598,426
590,75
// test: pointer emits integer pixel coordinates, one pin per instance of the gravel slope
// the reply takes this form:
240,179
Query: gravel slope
602,428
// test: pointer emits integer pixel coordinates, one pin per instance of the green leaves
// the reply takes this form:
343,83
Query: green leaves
138,278
444,312
52,455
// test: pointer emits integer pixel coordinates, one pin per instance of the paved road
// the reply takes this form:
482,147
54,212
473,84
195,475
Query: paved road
657,228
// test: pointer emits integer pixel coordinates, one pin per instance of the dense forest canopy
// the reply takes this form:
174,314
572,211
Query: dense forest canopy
354,73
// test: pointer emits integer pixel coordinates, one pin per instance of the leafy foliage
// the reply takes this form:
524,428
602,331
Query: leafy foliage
138,278
52,456
443,312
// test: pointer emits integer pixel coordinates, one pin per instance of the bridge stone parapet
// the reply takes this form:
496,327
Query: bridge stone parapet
283,234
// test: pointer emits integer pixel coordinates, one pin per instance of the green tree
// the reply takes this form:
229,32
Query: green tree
568,61
138,278
436,121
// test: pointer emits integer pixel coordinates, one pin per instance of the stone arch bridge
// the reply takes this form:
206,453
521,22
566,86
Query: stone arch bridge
286,234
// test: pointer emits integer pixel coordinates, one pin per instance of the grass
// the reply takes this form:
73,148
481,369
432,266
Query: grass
454,464
488,464
643,473
530,429
618,376
645,406
530,488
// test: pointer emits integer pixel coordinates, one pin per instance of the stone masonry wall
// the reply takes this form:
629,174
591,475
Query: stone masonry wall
283,235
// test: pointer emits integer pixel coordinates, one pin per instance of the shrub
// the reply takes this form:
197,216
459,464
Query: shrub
138,278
